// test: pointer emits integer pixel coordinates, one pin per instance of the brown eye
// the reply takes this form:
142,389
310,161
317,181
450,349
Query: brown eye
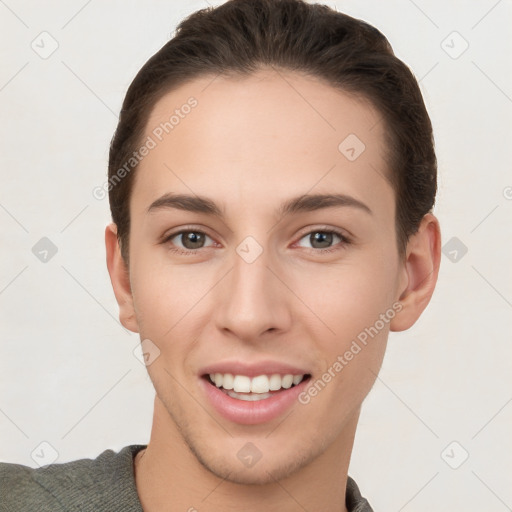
187,241
192,239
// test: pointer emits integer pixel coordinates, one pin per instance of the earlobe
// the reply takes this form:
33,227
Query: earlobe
421,267
120,279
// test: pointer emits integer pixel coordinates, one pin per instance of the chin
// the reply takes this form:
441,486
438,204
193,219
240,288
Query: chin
268,466
263,473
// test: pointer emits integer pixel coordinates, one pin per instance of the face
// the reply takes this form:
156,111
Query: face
254,274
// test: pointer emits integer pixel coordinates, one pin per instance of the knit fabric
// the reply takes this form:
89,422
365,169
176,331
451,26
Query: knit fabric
104,484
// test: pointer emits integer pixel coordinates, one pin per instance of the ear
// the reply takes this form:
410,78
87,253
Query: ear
421,268
120,279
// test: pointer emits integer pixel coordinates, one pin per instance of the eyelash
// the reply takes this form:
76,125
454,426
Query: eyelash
344,240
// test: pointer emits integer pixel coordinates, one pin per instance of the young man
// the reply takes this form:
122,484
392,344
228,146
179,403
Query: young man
271,183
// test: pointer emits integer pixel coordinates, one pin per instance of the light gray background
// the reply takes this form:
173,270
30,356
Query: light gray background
69,376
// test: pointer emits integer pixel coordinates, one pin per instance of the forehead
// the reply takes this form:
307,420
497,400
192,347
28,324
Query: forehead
263,138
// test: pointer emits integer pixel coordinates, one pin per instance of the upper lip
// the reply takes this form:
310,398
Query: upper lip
253,369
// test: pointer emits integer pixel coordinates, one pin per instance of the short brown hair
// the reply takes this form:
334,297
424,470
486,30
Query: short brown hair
241,36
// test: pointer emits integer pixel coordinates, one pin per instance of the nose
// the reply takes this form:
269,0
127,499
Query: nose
253,299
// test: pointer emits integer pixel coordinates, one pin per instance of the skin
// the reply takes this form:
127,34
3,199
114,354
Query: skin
251,144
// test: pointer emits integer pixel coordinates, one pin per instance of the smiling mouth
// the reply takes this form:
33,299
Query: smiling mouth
251,389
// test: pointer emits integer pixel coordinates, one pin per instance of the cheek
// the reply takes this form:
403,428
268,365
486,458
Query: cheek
337,301
164,292
346,299
352,351
171,303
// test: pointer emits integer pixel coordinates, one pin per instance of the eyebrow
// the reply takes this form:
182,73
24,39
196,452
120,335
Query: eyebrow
304,203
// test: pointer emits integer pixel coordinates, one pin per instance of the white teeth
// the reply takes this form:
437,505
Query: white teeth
241,384
287,381
260,385
275,382
252,397
227,383
297,379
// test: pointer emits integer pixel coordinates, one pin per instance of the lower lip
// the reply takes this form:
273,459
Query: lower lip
251,413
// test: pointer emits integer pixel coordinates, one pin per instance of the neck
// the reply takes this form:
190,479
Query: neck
169,477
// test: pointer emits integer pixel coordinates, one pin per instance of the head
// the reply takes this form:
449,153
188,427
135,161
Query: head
239,132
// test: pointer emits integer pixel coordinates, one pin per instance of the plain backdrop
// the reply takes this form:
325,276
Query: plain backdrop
434,433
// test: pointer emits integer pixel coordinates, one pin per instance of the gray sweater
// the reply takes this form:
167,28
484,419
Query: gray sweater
104,484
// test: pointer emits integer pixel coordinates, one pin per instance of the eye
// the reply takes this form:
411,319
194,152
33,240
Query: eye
187,241
323,239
